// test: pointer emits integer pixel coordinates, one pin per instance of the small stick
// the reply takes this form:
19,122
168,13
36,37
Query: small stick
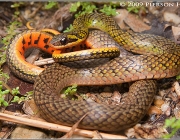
52,126
44,62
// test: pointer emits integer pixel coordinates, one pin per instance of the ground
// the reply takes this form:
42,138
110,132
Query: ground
152,18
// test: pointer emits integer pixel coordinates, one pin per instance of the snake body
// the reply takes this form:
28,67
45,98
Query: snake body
40,39
160,59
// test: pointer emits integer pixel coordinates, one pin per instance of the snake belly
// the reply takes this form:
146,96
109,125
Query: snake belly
40,39
159,59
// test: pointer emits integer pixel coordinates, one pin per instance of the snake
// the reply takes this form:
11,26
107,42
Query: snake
156,57
41,39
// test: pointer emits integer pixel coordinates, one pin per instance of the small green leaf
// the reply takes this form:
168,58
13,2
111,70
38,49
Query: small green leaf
29,93
108,10
15,99
5,91
50,5
1,99
169,122
5,103
178,77
75,6
174,124
15,91
68,29
70,90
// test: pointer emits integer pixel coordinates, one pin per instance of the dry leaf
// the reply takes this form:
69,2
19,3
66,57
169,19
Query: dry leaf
30,108
177,111
136,24
171,17
176,34
120,18
147,131
177,89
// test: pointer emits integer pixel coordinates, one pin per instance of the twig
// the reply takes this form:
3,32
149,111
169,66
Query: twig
44,61
33,56
52,126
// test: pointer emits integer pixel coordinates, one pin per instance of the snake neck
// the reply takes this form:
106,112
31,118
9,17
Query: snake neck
101,22
134,42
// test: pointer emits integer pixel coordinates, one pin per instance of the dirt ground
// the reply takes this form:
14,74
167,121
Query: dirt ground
157,18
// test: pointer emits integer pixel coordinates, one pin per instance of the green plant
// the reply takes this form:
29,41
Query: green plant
86,7
11,32
26,97
89,7
7,39
2,95
135,7
3,76
70,90
109,10
15,92
68,29
17,4
178,77
50,4
174,124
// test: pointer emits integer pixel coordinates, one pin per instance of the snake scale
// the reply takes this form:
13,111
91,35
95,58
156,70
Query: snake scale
158,58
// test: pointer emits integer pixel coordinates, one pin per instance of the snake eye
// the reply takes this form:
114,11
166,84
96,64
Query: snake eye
63,41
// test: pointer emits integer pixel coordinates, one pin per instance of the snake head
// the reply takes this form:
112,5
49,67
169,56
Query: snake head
68,39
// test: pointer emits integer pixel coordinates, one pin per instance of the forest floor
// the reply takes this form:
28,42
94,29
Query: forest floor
19,117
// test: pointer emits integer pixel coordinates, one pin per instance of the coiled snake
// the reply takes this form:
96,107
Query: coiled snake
159,58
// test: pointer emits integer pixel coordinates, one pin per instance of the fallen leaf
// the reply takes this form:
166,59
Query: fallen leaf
123,13
171,17
136,24
148,131
30,108
176,34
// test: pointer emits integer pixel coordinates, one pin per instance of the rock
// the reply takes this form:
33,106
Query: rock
26,132
74,136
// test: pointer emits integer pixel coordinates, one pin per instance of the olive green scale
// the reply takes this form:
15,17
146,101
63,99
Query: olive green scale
158,58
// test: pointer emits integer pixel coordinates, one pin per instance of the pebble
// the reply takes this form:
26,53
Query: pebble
26,132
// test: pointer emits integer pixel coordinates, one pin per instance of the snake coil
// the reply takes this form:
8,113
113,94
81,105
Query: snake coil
158,58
